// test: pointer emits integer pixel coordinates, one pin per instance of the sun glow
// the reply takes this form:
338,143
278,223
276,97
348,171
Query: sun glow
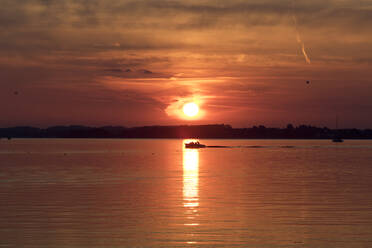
190,178
191,109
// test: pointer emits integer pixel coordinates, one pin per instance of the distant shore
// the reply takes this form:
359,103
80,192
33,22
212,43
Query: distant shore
220,131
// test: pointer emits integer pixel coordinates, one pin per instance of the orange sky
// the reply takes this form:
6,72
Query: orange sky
114,62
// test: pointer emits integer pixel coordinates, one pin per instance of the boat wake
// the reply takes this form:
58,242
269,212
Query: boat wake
251,147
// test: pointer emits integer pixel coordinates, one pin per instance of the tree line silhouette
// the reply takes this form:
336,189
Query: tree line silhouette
221,131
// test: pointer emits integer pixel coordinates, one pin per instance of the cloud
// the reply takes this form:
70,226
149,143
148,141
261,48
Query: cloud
115,70
145,14
91,27
144,71
148,54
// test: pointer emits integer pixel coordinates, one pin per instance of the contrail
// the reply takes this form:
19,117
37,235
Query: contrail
298,36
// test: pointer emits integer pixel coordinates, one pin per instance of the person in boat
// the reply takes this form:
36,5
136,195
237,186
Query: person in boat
194,145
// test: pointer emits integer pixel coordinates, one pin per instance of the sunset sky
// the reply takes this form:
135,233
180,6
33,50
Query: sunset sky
133,63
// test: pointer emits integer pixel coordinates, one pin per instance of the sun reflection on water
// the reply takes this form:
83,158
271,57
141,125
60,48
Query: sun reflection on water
190,182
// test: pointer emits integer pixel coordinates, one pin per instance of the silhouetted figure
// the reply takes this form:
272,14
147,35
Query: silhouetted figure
194,145
308,82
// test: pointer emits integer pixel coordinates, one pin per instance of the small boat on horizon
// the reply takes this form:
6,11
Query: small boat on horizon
194,145
337,139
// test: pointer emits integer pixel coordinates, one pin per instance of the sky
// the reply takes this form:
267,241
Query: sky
135,63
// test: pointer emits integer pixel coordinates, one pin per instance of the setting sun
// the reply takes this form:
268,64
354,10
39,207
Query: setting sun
191,109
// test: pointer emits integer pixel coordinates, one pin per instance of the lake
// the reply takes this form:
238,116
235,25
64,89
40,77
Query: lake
154,193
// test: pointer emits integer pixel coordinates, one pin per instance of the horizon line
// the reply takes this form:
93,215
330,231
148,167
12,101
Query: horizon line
185,125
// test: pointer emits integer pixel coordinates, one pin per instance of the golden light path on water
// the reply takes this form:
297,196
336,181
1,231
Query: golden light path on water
190,183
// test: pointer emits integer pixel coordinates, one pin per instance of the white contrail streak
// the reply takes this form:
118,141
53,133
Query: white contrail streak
305,54
298,36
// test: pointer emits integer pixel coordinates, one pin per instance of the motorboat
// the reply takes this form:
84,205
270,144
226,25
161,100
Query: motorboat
194,145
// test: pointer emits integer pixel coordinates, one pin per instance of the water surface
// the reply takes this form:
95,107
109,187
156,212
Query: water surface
154,193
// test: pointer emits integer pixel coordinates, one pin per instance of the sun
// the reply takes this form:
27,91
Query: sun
190,109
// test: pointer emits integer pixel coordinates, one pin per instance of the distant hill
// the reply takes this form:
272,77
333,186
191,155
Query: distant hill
220,131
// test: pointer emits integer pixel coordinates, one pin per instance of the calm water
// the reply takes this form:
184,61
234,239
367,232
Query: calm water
154,193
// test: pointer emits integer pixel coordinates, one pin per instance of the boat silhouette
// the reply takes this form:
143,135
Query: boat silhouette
194,145
337,138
